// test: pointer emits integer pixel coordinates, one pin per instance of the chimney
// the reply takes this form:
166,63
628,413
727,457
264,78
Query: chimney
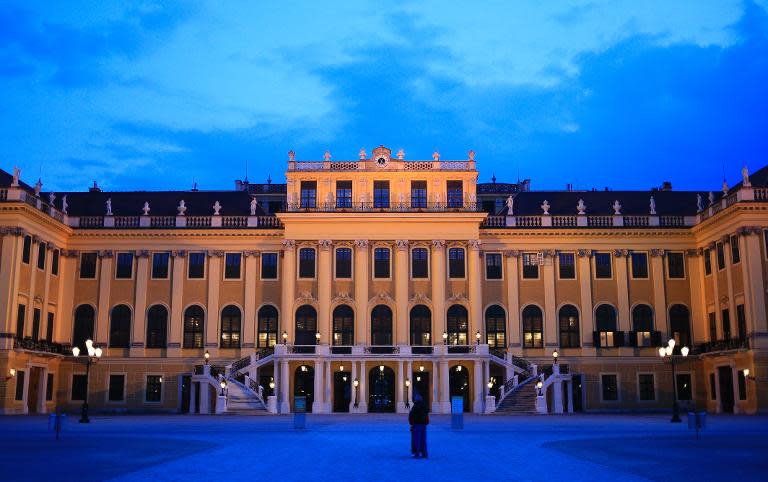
94,188
666,186
569,187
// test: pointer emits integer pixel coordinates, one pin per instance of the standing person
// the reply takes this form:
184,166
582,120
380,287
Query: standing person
419,419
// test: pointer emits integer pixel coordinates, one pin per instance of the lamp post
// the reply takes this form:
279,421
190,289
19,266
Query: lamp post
356,383
94,353
285,337
477,337
12,373
667,354
539,384
445,338
745,371
223,385
555,354
317,338
207,356
407,398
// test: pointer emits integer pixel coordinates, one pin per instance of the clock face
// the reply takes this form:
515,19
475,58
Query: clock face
381,161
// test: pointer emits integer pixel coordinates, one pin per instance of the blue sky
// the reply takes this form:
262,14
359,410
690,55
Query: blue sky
151,95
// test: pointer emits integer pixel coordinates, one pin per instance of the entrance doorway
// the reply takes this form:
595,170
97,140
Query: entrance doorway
304,384
726,389
458,381
186,389
577,393
420,385
381,389
342,391
33,395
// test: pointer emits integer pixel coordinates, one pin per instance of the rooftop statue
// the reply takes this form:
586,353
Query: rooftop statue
653,206
109,207
510,206
146,209
216,208
254,203
616,207
545,207
182,208
581,207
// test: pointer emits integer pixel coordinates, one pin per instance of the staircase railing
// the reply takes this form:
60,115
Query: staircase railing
513,385
257,389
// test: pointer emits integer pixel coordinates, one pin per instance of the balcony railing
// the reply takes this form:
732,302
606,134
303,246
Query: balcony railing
356,165
373,207
382,350
41,346
721,345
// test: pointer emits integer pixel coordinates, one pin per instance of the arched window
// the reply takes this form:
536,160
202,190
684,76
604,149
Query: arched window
343,326
458,325
194,327
157,326
680,325
421,326
381,326
267,326
230,327
533,327
605,322
120,327
568,321
83,329
642,325
306,325
496,327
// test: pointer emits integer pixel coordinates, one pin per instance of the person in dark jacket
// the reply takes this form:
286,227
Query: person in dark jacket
419,419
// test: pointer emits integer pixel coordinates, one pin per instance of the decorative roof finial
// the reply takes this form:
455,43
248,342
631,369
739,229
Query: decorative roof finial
699,203
216,208
146,208
400,153
510,206
64,204
182,208
38,187
291,155
436,155
711,198
327,156
725,186
616,207
253,206
581,207
16,176
545,207
362,154
493,178
471,155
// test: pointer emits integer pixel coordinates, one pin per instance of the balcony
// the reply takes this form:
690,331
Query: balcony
422,350
382,350
41,346
370,207
721,345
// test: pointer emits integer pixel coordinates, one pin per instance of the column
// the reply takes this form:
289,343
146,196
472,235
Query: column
62,323
585,287
177,299
288,289
193,398
102,313
285,383
47,294
9,279
557,396
324,290
352,408
659,293
699,318
249,330
475,289
213,319
729,285
438,294
716,295
362,405
513,301
36,241
400,406
477,406
409,391
401,292
140,304
328,408
550,301
569,394
42,384
445,399
752,271
622,284
317,403
205,398
435,389
362,275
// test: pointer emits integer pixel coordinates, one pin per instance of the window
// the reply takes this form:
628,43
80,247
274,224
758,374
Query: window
567,265
19,395
419,194
533,327
83,329
603,265
675,265
116,391
639,265
26,249
124,268
680,325
381,326
741,322
309,194
232,263
735,253
381,263
720,256
194,325
157,326
495,327
530,266
493,268
55,262
120,327
455,194
707,262
160,265
642,325
36,324
306,263
458,325
605,321
343,263
88,265
267,335
726,317
646,388
154,388
230,327
568,321
421,326
49,387
742,382
381,194
268,265
306,325
419,263
79,387
712,327
41,253
49,328
343,194
684,389
609,387
21,314
456,263
712,387
196,267
343,326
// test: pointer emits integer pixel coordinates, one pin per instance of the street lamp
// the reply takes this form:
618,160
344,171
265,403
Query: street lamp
206,356
94,353
285,337
12,373
477,337
356,383
223,385
745,371
317,337
445,338
539,384
555,354
407,398
421,368
341,368
666,353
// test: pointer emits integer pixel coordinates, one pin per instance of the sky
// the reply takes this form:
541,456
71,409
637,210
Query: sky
149,95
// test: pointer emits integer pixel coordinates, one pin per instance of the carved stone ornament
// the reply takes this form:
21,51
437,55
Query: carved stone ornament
400,154
251,252
215,253
325,244
146,209
655,253
620,253
305,296
108,253
438,243
512,253
70,253
510,206
291,155
474,244
109,207
581,207
16,176
401,244
342,298
180,253
549,253
471,155
182,208
362,154
745,177
383,295
36,239
584,253
64,204
699,203
616,207
457,297
142,253
419,298
692,253
361,243
254,203
38,187
711,198
9,231
436,155
545,207
652,207
289,244
216,208
51,198
327,156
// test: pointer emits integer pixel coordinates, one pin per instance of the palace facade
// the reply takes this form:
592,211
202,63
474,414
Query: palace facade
359,283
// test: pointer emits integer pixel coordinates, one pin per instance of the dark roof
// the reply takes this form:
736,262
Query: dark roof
497,188
267,188
6,179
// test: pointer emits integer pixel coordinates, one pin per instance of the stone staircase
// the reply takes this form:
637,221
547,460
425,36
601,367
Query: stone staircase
521,401
242,401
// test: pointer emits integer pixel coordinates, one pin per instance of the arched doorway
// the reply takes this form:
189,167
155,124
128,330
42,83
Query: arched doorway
342,391
381,389
304,384
458,383
420,384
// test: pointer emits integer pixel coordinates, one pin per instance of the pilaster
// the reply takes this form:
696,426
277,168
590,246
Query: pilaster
249,330
438,292
361,291
140,304
401,292
659,292
587,321
324,282
176,327
102,313
622,285
550,300
213,316
513,301
475,289
288,291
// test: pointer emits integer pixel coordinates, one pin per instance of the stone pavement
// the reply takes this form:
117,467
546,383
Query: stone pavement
376,447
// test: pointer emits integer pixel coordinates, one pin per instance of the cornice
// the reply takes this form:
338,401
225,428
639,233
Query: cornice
586,232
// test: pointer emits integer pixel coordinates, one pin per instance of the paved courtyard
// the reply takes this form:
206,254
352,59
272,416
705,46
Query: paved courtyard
376,447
